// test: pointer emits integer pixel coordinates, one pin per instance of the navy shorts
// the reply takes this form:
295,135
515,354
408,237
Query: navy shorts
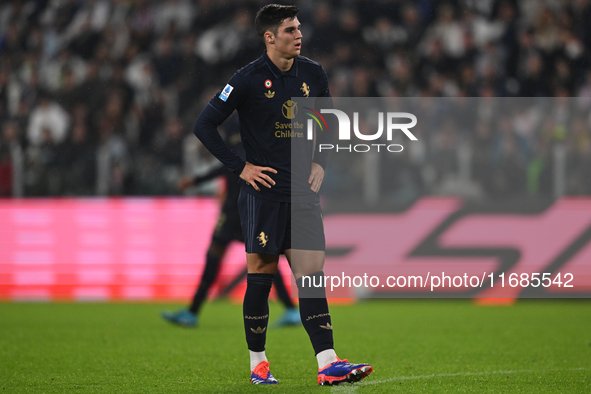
271,227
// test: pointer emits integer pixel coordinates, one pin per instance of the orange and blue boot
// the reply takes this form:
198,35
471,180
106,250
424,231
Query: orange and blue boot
342,371
261,374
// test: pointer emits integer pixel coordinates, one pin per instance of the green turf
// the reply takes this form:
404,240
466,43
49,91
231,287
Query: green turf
432,346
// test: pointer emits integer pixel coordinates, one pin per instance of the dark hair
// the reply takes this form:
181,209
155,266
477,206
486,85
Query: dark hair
270,17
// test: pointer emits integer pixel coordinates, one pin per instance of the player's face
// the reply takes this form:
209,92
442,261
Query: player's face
288,40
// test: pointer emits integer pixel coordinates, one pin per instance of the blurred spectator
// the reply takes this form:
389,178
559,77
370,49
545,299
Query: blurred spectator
169,148
118,85
52,71
11,40
48,123
78,161
509,177
449,32
229,40
482,156
384,34
141,76
546,31
43,175
68,95
4,101
92,90
349,29
323,36
413,25
142,24
112,113
193,77
166,62
434,63
113,163
177,13
5,172
444,148
85,31
11,162
533,83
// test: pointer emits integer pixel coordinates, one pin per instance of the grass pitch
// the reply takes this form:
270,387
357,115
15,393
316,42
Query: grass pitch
431,346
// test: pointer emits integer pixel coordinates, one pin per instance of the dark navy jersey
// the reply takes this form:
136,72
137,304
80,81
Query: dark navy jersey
262,96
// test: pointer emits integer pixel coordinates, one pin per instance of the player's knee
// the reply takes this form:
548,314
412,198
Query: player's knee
262,264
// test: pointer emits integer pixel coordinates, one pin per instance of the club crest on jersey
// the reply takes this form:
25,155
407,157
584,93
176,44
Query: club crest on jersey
226,92
270,94
268,83
263,239
306,89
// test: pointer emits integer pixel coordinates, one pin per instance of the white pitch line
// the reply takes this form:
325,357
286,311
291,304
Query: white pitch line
352,388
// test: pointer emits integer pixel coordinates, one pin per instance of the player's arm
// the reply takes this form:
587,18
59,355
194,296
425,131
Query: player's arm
206,129
320,161
217,111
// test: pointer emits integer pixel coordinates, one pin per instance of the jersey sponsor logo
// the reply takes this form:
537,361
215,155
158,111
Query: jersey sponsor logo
306,89
289,130
270,94
268,83
226,92
288,134
260,330
289,109
263,239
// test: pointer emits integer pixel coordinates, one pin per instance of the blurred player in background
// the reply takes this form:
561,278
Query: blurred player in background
269,203
227,230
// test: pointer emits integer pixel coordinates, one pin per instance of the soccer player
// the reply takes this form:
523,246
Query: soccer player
270,210
227,230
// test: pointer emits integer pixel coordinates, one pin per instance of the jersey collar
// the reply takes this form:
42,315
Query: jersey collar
292,72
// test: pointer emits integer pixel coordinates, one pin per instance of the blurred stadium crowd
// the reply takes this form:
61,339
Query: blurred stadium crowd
99,97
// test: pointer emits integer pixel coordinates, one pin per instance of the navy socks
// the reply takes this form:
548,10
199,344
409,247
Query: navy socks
256,310
314,312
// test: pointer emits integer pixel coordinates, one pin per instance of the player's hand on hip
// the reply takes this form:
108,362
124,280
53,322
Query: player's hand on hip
253,174
316,177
